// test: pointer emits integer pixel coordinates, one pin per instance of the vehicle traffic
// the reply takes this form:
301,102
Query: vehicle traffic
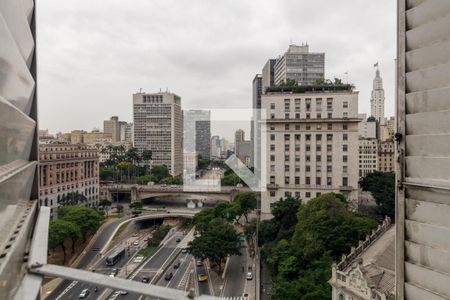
112,259
84,293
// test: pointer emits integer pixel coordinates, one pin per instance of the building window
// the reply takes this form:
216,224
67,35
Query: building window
329,181
329,126
307,180
286,137
318,181
345,148
272,168
272,137
272,116
308,137
272,105
297,126
344,181
286,147
286,168
297,116
297,180
272,193
272,147
286,116
344,137
329,168
344,126
286,126
308,126
318,157
329,103
308,104
345,104
286,179
272,158
329,137
286,158
344,158
272,179
308,195
329,147
307,147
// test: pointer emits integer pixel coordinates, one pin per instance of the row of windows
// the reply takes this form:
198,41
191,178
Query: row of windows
287,147
297,116
318,167
308,137
308,104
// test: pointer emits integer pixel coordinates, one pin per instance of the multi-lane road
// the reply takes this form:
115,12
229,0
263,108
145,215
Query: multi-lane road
90,255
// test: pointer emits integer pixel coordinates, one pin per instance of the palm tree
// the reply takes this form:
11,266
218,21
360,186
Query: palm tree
72,198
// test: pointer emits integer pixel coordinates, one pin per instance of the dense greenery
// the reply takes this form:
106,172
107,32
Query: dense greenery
74,223
302,240
230,178
219,238
320,85
87,219
136,205
72,198
203,163
126,167
158,236
382,187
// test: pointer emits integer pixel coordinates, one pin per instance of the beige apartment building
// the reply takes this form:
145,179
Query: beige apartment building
66,168
312,145
368,156
83,137
386,156
158,126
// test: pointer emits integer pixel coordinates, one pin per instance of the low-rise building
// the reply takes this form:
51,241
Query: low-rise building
68,168
368,272
386,154
368,156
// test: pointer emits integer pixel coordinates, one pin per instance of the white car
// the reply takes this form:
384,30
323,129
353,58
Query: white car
249,275
84,293
136,243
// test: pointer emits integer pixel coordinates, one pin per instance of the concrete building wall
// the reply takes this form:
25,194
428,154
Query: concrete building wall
368,156
312,145
65,168
423,150
297,63
158,127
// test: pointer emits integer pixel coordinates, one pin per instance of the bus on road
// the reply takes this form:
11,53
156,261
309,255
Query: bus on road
112,259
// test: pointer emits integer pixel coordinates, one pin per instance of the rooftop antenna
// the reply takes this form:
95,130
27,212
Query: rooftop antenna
160,90
140,90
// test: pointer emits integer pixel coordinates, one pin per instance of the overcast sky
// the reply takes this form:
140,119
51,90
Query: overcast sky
93,55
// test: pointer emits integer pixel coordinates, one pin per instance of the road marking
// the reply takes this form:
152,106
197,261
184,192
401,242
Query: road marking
182,284
71,285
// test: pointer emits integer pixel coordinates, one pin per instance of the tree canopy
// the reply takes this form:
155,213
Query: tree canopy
159,172
217,241
87,219
61,230
382,187
299,250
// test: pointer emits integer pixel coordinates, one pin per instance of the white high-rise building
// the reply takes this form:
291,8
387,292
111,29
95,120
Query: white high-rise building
377,99
312,145
298,64
158,127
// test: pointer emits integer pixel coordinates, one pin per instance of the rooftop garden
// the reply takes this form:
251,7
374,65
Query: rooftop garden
292,86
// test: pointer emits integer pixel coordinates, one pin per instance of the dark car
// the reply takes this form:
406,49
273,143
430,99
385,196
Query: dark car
168,276
145,279
177,265
178,240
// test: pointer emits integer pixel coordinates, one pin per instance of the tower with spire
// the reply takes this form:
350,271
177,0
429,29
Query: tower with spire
377,99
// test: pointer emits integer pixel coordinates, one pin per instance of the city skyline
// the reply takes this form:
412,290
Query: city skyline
233,59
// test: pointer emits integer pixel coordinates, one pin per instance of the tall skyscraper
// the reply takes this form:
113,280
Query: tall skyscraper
377,99
268,74
216,146
198,122
297,63
239,136
312,145
158,127
112,126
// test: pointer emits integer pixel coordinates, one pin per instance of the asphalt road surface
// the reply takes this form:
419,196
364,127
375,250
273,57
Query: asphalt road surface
84,262
236,275
157,261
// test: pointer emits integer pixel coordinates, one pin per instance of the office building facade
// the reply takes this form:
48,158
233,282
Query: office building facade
197,122
377,98
368,156
66,169
386,153
298,64
112,127
312,145
158,126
